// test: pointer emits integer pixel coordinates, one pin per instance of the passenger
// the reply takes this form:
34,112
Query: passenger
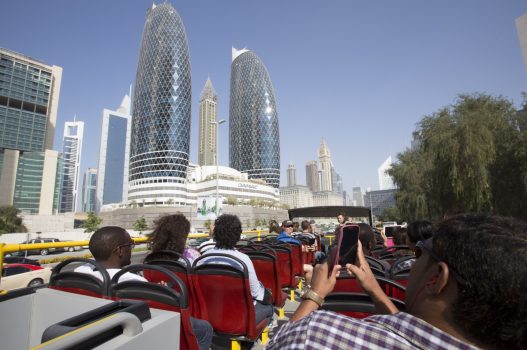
285,236
227,231
466,291
171,233
296,226
419,230
111,247
274,227
204,246
367,239
307,232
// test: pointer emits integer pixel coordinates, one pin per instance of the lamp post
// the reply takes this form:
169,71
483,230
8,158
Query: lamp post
218,123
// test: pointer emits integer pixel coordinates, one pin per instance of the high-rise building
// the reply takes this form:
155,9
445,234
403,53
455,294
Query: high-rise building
71,150
291,175
385,180
89,186
521,27
336,181
160,145
296,196
254,146
357,197
380,200
208,102
114,155
312,176
29,97
324,160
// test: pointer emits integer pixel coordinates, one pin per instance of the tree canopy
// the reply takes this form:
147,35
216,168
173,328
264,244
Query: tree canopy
471,156
10,222
92,223
140,224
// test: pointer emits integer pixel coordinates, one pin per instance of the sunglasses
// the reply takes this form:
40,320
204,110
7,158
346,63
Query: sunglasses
131,245
421,246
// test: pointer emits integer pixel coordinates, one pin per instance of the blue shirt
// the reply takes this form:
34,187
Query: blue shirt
284,237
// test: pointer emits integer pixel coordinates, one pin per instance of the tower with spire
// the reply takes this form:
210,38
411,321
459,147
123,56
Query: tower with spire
324,161
208,148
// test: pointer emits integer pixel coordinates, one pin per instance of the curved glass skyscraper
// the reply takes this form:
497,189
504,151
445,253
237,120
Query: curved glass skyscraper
159,150
254,136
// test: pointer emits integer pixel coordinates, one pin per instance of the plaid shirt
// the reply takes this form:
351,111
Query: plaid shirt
328,330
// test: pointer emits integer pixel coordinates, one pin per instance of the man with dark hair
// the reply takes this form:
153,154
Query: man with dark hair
286,237
419,230
227,232
466,291
111,246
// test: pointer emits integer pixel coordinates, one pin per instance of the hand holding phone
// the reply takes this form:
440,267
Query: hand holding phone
345,251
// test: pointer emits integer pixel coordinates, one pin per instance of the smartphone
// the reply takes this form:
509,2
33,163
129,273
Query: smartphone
390,230
345,251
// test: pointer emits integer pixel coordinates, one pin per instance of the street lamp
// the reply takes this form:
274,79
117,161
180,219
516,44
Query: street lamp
219,122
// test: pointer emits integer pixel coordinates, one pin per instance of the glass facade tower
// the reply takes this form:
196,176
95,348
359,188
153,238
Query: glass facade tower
253,131
160,143
72,150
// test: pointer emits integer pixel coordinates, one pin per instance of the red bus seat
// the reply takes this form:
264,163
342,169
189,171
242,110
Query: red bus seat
65,279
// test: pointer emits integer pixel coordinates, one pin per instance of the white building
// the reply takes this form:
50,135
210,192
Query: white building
114,155
324,160
72,151
385,180
208,104
521,27
296,196
291,175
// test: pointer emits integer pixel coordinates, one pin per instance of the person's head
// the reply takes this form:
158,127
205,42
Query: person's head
287,226
419,230
366,237
296,226
170,233
313,224
111,246
274,227
472,276
342,218
227,231
399,236
306,226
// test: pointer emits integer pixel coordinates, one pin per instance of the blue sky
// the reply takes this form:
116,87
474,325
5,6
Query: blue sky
359,74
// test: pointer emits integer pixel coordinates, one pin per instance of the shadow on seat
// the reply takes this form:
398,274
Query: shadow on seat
266,267
356,305
65,279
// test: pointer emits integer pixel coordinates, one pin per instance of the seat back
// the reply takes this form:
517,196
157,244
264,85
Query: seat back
65,279
171,297
354,305
266,267
401,266
224,292
179,266
285,265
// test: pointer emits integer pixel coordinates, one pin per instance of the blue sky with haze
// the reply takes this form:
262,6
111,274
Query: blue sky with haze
359,74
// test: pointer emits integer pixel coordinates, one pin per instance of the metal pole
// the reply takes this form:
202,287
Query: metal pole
218,123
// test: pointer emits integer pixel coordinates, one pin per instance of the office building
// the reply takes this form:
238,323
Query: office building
385,180
357,197
208,102
89,187
312,176
325,166
29,97
291,175
336,181
159,151
114,155
254,140
31,180
378,201
297,196
71,151
521,27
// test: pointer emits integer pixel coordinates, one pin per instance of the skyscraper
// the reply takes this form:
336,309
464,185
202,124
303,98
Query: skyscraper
312,176
29,97
159,151
385,180
254,146
208,101
89,185
291,175
114,155
72,151
324,159
521,27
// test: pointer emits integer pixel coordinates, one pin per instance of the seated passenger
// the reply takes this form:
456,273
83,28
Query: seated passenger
227,231
367,239
286,237
171,233
466,291
419,230
204,246
111,247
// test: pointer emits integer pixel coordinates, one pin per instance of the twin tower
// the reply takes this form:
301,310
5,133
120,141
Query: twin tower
160,142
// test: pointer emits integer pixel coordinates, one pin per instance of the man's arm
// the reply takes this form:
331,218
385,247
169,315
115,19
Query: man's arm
366,278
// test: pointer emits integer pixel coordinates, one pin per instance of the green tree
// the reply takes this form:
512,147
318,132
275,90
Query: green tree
469,157
232,200
207,224
133,203
170,201
10,222
92,223
390,214
140,225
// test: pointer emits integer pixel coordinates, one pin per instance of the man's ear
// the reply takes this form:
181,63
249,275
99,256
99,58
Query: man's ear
438,278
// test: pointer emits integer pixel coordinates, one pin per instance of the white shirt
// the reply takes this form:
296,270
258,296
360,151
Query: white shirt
87,269
257,289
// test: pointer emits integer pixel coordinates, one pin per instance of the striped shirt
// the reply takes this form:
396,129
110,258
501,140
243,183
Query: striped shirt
328,330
